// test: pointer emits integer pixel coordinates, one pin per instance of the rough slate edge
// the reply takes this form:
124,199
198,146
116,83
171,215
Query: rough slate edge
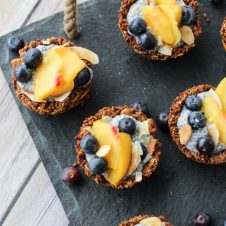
67,198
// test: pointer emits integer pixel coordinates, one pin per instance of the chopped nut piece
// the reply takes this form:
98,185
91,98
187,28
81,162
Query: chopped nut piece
151,145
144,128
185,134
103,151
187,35
138,176
165,50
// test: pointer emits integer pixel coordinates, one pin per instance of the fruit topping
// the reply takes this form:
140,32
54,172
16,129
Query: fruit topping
215,115
197,119
118,159
137,26
33,57
103,151
147,41
15,43
22,73
187,35
144,152
136,157
151,221
222,94
205,145
89,144
165,50
185,133
97,165
216,95
214,133
141,107
193,103
127,125
216,2
162,120
202,219
85,54
70,175
188,15
83,78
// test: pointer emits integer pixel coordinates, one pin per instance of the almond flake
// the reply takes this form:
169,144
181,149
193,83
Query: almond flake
143,128
187,35
165,50
151,145
213,94
185,134
103,151
214,133
89,129
138,176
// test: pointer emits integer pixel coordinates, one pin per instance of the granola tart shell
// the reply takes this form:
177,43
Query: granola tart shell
223,33
149,167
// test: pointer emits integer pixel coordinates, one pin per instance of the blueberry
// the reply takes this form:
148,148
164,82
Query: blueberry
205,146
89,144
22,73
162,120
216,2
145,151
147,41
193,103
15,43
137,26
141,107
70,175
188,15
33,57
202,219
127,125
83,78
98,165
197,119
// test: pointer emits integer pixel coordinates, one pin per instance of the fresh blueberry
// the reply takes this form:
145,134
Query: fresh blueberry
205,146
216,2
22,73
188,15
89,144
98,165
15,43
83,77
127,125
145,151
197,119
141,107
193,103
70,175
202,219
33,57
137,26
147,41
162,120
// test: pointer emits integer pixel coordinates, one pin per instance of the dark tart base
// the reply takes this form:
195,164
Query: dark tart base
223,33
75,98
174,114
152,55
135,220
149,167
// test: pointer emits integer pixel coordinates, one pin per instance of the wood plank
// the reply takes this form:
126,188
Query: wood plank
34,203
16,158
13,13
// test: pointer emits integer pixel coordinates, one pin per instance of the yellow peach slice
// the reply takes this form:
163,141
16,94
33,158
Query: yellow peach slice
119,156
221,92
151,221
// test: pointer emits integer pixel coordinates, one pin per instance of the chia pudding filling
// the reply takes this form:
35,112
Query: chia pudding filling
139,136
29,86
199,133
135,12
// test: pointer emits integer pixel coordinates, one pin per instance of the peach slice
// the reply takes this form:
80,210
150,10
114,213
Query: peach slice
119,156
151,221
221,92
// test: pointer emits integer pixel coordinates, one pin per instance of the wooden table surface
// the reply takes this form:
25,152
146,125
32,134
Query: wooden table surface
27,197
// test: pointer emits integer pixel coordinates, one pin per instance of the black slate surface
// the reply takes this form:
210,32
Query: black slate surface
121,78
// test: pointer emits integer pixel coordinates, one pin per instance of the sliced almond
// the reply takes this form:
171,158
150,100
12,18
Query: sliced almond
212,93
165,50
89,129
151,145
151,221
187,35
138,177
214,133
103,151
185,134
143,128
135,158
86,54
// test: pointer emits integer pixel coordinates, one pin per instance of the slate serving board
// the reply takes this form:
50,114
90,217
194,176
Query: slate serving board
180,188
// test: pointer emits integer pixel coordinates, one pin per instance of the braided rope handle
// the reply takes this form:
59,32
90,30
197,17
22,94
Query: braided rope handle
70,19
